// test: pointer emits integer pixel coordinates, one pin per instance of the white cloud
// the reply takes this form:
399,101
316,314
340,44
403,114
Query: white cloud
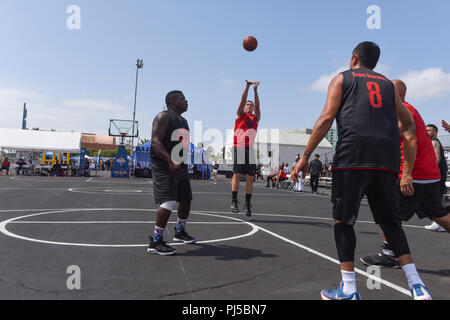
82,115
322,83
427,84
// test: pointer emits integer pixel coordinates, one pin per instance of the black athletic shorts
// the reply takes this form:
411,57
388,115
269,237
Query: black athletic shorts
244,161
426,202
381,188
167,187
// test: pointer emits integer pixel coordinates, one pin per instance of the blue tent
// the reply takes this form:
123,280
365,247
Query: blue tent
142,155
197,156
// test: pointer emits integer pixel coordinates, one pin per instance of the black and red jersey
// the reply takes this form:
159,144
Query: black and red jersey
245,130
177,133
367,123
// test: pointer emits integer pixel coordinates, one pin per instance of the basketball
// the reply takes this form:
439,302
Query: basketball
250,43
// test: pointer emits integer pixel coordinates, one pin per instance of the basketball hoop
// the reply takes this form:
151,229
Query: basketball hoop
123,135
123,129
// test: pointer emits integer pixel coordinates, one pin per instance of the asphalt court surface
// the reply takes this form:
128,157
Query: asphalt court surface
285,251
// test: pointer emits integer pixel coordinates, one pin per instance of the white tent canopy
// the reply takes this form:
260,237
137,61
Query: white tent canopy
37,141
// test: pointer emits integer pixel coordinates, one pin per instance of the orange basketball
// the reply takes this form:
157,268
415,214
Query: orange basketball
250,43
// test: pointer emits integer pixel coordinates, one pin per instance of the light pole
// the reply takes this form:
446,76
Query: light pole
24,117
139,65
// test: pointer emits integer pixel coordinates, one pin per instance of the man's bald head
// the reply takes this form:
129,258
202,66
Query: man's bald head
401,88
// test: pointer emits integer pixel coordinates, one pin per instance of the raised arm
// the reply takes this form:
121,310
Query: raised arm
446,126
244,99
257,108
323,123
407,128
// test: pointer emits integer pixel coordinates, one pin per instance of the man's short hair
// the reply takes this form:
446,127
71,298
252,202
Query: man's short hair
368,53
171,96
433,126
317,155
251,102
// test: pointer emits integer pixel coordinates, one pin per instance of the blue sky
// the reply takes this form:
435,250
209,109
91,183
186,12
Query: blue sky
79,79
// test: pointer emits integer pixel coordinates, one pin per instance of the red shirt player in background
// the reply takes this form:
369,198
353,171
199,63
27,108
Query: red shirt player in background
427,199
246,125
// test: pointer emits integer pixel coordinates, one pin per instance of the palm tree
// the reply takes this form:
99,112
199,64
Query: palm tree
143,141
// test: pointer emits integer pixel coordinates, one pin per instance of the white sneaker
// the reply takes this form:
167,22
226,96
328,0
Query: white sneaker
435,227
420,292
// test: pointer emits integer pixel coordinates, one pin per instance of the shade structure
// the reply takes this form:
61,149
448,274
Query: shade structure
36,140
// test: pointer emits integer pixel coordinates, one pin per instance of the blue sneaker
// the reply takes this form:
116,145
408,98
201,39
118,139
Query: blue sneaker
338,294
420,292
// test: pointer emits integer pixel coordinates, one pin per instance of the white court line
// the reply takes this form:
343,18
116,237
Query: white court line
380,280
254,194
3,229
117,222
89,180
33,188
306,217
214,212
255,228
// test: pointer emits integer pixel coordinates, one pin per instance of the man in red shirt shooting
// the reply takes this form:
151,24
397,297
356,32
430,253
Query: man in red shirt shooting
246,126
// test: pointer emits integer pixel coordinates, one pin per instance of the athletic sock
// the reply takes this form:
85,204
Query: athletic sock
248,197
387,250
158,233
349,282
234,195
412,275
181,224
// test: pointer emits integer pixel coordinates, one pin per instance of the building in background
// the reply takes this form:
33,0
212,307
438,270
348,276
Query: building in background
98,142
304,131
284,147
332,135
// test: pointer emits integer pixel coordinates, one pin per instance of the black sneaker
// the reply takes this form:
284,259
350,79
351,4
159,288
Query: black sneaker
182,236
235,206
248,209
381,260
161,248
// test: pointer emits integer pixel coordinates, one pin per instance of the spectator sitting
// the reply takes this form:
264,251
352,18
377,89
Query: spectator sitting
270,177
56,169
280,176
21,163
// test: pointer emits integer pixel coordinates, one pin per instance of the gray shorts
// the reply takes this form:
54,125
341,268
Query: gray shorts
167,187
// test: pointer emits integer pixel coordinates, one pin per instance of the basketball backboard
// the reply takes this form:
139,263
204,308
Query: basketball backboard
123,128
